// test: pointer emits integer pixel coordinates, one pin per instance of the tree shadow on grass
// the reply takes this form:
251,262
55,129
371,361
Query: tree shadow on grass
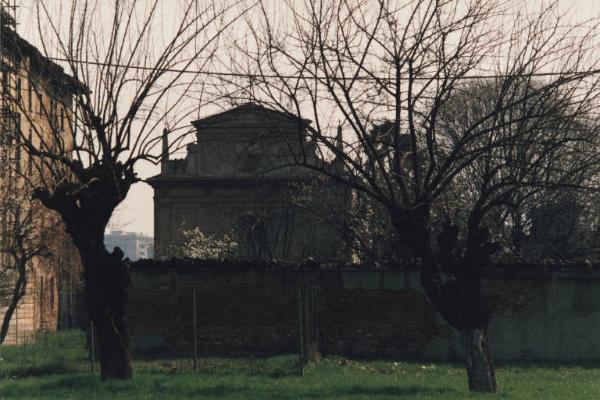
543,364
73,382
226,391
392,391
274,367
38,371
85,385
242,391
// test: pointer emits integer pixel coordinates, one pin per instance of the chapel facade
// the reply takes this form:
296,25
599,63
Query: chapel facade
245,178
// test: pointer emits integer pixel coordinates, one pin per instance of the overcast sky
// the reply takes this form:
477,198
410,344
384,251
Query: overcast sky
136,213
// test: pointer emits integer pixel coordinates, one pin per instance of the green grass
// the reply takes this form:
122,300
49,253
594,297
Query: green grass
278,378
63,351
333,378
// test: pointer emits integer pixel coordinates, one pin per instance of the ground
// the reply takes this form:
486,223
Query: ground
37,372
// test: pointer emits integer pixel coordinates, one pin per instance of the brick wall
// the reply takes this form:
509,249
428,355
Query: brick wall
253,310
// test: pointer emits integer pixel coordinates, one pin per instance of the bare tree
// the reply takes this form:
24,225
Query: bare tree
361,223
365,62
554,164
126,75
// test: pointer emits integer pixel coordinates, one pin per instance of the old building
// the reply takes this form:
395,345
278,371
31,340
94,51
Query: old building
241,180
35,100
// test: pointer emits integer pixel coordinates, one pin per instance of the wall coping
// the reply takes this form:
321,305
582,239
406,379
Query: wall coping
572,271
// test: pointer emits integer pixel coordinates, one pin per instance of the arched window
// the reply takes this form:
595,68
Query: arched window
51,289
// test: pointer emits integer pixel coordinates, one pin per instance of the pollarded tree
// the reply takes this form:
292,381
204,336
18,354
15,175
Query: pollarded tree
541,150
361,222
362,62
131,72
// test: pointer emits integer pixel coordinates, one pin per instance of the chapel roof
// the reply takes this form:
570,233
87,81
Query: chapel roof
248,108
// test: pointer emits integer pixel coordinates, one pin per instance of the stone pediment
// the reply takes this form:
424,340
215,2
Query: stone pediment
250,116
246,141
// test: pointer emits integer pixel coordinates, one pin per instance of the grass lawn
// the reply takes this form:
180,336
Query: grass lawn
279,378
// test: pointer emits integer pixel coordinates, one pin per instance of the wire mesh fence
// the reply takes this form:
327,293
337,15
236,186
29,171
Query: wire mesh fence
50,352
177,343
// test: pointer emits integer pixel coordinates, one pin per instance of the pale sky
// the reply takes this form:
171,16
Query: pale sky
136,212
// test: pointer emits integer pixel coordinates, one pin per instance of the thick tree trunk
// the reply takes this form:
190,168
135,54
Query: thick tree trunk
457,296
478,360
86,204
106,280
464,307
115,360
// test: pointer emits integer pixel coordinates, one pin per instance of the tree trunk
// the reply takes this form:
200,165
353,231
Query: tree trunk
85,203
106,280
478,360
115,359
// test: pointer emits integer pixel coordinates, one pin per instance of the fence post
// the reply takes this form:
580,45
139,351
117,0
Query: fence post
70,315
92,344
301,332
16,318
317,324
195,334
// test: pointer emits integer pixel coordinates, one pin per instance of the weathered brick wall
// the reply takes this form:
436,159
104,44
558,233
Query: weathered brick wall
374,321
243,310
238,313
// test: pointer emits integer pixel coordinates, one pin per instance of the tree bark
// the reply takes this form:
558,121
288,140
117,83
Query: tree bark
464,307
106,279
478,360
115,359
85,205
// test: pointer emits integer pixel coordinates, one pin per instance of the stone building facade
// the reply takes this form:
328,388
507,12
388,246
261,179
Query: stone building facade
35,100
241,179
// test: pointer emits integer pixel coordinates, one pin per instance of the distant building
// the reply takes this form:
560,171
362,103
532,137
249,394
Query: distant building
134,245
242,179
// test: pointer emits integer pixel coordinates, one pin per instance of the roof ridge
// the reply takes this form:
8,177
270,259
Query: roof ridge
249,106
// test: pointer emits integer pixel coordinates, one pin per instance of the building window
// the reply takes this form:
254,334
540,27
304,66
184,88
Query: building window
19,95
53,116
18,144
5,133
41,100
4,235
62,118
51,288
30,95
30,158
5,83
42,292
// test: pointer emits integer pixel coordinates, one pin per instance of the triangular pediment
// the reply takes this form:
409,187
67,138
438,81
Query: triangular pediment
250,116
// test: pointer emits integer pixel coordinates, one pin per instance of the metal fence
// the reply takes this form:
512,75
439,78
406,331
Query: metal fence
50,352
72,347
